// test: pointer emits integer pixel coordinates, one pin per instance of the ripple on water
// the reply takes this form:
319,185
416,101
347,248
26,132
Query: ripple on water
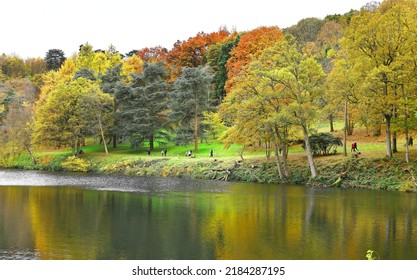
18,255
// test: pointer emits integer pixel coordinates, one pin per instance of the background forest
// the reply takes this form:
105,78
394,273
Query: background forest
263,88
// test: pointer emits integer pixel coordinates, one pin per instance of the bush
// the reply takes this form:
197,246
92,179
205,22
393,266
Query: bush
76,164
324,144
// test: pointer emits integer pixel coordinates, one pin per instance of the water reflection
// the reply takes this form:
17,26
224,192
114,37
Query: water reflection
179,219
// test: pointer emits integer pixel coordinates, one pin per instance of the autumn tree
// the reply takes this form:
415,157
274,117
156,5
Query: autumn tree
192,53
302,79
253,108
188,100
12,66
342,92
16,119
98,61
154,54
64,119
34,66
306,30
250,46
131,65
375,41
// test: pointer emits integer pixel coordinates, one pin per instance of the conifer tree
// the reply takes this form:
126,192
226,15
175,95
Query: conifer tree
142,104
188,100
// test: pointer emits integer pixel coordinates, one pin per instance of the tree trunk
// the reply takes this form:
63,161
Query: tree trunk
394,142
151,141
284,147
114,140
102,135
388,135
308,151
350,126
32,156
345,126
331,123
115,105
407,150
196,124
276,151
277,161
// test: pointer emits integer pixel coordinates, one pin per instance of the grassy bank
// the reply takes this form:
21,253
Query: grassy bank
371,170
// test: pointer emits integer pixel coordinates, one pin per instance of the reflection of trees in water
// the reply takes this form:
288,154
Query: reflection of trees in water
243,222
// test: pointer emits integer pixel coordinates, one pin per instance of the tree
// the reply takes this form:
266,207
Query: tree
250,46
16,120
98,60
341,91
13,66
131,65
302,79
192,53
60,119
375,41
95,110
54,59
34,66
189,98
85,73
142,104
217,57
110,82
306,30
154,54
6,103
253,111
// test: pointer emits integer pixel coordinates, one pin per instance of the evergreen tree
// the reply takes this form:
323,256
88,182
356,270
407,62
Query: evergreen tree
5,103
54,59
221,75
142,104
85,73
109,84
189,99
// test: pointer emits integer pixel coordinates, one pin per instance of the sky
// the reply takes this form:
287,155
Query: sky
29,28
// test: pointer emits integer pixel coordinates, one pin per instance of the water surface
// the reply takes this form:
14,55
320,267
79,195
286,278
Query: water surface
70,216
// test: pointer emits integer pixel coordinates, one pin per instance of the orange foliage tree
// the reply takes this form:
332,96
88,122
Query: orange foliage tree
192,53
155,54
250,46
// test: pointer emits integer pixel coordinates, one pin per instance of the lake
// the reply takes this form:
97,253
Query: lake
92,216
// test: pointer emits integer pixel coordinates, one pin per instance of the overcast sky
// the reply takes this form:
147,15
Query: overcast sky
29,28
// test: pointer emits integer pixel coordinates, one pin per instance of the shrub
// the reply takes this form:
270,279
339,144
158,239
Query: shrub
324,144
76,164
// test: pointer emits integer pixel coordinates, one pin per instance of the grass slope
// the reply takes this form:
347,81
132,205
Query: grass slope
370,170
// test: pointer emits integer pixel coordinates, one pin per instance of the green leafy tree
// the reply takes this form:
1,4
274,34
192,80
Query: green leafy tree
306,30
188,100
65,116
217,56
95,111
302,79
16,120
376,41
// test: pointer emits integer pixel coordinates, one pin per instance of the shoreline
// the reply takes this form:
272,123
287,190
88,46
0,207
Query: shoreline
364,173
